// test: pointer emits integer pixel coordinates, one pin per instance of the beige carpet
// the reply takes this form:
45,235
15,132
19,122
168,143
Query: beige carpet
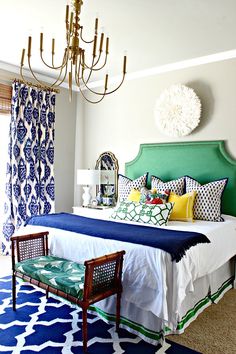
214,331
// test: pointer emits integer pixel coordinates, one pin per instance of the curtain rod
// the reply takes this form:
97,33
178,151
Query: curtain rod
37,85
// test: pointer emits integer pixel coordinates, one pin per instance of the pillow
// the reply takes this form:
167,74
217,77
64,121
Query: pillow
183,206
176,186
153,196
149,214
134,195
207,205
125,185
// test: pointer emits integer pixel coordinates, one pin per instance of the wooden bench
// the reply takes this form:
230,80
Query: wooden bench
97,279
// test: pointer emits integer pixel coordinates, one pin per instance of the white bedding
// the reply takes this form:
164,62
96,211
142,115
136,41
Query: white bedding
151,281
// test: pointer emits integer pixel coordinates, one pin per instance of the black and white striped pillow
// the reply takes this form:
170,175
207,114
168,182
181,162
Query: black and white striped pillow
125,185
207,204
176,186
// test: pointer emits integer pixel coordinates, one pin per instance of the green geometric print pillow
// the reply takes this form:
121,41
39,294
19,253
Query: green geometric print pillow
155,214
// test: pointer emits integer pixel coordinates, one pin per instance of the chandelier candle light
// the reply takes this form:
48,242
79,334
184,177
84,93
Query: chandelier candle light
74,62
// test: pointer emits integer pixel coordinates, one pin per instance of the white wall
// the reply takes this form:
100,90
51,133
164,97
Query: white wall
157,32
125,119
65,133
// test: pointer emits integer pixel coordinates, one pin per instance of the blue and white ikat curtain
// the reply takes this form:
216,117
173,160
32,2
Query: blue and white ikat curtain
30,175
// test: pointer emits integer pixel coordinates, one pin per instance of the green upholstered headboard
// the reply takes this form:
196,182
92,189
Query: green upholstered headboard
203,160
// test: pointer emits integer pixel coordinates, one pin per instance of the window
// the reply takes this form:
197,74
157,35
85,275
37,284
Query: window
5,99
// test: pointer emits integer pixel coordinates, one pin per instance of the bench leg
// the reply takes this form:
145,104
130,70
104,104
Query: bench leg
14,292
118,311
85,330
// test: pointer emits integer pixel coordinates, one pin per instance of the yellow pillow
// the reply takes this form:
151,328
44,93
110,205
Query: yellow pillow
183,206
134,195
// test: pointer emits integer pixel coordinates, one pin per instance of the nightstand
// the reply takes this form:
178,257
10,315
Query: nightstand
96,213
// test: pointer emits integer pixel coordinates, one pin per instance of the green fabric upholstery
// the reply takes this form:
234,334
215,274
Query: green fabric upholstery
57,272
204,161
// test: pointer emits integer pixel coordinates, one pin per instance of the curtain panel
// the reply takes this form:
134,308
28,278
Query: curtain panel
30,174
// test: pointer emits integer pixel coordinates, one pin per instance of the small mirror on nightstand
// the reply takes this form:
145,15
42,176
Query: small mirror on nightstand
107,192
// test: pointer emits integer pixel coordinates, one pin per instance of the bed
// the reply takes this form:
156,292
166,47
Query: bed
162,296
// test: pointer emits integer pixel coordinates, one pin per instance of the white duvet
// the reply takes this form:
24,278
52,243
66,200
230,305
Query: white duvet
151,281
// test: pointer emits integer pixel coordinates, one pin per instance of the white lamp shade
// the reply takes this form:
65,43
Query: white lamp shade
88,177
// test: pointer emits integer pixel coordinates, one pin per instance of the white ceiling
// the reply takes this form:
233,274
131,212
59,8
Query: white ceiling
153,32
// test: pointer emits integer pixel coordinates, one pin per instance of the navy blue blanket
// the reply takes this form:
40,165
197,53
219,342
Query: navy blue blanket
171,241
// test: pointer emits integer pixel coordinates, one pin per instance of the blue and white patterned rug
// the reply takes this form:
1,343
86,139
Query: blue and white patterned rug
52,327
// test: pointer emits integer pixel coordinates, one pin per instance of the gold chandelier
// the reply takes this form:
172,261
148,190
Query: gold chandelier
74,60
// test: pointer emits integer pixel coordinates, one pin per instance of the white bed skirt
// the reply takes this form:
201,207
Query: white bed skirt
207,290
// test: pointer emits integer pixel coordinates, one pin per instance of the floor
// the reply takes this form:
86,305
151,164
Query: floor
5,265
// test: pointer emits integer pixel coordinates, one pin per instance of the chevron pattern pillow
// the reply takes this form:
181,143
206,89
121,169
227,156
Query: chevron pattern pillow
155,214
207,205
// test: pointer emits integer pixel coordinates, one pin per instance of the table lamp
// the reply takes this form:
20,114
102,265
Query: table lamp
87,178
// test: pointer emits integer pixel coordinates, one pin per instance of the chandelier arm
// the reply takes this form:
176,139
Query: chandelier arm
34,76
90,71
77,69
92,67
64,60
77,80
102,66
99,57
88,100
109,92
106,92
81,36
87,87
54,83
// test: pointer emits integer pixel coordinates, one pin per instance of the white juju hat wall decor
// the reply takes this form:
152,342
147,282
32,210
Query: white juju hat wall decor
177,111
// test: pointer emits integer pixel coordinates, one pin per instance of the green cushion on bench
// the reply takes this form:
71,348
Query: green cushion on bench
57,272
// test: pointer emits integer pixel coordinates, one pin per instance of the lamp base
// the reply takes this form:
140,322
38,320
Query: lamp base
86,196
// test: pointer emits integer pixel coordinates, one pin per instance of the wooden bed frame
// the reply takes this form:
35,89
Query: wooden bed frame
203,160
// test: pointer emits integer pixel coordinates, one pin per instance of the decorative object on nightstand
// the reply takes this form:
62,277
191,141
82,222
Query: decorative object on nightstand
107,163
177,111
107,181
87,178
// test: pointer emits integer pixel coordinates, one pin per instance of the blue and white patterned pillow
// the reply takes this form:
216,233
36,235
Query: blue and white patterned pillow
207,205
125,185
176,186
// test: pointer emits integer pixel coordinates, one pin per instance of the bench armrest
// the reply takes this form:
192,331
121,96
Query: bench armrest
29,246
103,276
